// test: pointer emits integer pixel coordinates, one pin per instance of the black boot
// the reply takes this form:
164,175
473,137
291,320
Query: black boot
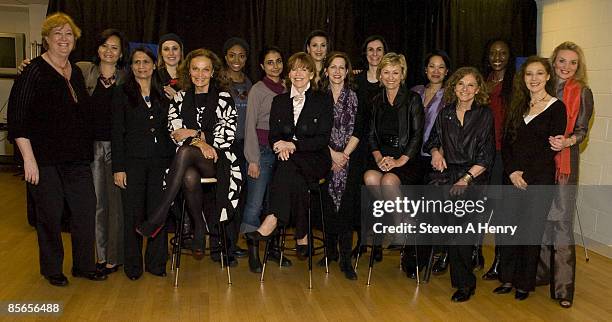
477,258
378,253
441,264
493,272
254,261
331,248
346,266
409,261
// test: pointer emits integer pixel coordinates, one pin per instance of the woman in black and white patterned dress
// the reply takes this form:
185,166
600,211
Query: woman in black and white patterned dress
202,121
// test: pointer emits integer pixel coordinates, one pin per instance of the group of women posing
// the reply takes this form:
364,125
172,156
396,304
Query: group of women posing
171,123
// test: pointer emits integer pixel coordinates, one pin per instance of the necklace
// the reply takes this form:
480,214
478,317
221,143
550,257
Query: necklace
64,72
533,103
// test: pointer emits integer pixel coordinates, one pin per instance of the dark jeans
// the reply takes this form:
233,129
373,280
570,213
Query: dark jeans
73,183
257,190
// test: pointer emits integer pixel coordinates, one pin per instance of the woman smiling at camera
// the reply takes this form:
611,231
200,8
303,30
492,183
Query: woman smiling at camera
558,255
344,184
300,128
202,122
142,151
49,121
462,148
534,116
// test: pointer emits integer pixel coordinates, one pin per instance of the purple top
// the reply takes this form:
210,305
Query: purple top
431,110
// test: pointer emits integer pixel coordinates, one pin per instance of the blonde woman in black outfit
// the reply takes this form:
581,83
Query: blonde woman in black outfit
535,115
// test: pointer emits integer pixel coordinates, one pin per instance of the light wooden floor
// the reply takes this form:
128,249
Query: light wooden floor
204,294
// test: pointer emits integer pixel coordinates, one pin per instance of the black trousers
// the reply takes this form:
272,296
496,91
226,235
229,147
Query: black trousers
520,253
289,197
142,195
73,183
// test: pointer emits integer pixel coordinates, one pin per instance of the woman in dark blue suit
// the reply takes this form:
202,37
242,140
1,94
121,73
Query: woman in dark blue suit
300,127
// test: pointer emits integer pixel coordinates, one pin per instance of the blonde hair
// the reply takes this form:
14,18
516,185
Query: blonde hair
394,60
55,20
580,76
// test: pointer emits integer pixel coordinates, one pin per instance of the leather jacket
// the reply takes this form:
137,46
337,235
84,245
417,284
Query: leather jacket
410,118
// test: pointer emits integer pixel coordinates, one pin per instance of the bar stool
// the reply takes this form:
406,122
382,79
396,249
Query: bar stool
314,187
178,241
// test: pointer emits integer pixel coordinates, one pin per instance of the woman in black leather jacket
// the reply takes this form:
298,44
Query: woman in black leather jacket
396,131
396,134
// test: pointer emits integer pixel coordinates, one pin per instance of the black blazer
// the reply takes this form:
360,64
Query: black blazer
139,132
312,131
410,117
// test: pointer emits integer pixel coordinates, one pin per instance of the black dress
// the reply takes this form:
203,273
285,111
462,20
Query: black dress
529,151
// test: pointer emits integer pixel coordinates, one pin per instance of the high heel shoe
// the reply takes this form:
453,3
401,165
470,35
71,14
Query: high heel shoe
257,236
477,258
521,295
441,264
377,253
254,261
145,229
198,245
301,252
503,289
463,294
359,250
493,272
346,266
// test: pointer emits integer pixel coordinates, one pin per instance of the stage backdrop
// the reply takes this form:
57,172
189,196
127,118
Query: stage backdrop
411,27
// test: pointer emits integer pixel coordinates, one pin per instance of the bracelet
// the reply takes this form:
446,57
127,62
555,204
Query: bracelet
468,173
467,178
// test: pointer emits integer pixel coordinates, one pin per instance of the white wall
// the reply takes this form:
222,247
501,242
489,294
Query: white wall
25,19
589,24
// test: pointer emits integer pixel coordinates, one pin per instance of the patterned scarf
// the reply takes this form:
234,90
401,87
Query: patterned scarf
571,98
345,110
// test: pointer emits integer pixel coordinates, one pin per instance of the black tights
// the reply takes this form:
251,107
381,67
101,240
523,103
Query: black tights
186,170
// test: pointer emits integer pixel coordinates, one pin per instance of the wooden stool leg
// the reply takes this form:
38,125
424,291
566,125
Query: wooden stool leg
310,248
224,245
265,260
374,241
427,274
323,227
179,242
282,246
175,250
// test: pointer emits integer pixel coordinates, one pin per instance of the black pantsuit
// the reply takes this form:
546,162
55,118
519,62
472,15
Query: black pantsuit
144,190
311,160
71,182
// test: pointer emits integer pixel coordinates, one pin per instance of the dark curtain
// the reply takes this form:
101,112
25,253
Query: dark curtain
411,27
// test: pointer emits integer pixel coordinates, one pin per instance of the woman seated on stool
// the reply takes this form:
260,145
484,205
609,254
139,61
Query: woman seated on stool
202,122
300,128
396,132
